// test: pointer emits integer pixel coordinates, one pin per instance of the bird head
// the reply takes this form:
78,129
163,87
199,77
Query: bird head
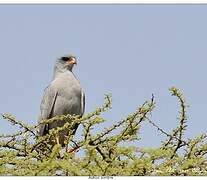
66,63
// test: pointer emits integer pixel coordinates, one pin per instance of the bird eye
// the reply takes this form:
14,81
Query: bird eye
64,58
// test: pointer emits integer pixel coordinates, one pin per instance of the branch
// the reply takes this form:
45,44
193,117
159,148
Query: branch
12,120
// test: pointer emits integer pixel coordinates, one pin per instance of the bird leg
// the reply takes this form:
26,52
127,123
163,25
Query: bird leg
57,140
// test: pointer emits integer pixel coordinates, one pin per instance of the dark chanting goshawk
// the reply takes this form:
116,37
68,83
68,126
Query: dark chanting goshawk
63,96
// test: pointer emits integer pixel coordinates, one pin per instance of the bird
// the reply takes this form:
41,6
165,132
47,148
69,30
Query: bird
63,96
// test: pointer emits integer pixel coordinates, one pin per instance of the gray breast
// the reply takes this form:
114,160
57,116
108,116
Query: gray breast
68,99
69,95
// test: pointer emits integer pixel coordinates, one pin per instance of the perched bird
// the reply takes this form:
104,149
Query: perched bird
63,96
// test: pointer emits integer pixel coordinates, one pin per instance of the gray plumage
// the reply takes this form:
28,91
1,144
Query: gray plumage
63,96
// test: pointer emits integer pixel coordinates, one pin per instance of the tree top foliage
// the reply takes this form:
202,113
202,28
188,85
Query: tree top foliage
104,153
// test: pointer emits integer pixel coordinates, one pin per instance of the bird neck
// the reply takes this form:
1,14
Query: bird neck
58,71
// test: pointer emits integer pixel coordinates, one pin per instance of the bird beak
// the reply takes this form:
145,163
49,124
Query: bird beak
73,61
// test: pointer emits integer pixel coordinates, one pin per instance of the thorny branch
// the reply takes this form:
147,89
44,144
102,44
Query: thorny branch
33,155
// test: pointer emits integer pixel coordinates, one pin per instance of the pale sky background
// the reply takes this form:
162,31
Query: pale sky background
131,51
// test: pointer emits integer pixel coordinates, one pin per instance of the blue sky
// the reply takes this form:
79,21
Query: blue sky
131,51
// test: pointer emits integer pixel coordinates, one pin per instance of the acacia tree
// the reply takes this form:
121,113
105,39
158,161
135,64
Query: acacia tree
24,153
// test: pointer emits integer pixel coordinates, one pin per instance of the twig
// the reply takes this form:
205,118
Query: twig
14,121
164,132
